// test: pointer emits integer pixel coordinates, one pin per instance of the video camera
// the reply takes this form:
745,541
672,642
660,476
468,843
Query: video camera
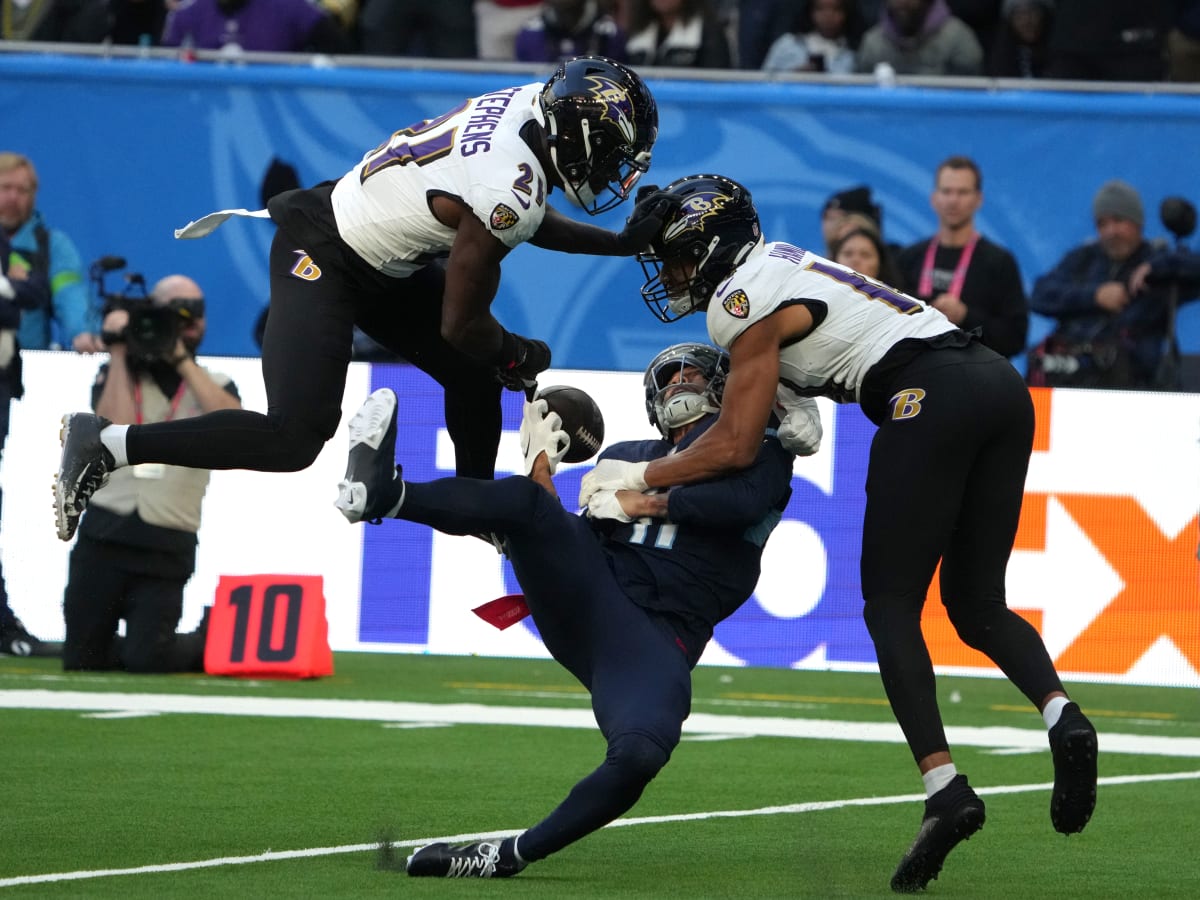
153,329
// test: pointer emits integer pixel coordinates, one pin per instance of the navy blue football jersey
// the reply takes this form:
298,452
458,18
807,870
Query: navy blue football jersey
702,562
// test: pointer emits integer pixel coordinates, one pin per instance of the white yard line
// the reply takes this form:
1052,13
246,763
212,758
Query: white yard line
793,808
1003,738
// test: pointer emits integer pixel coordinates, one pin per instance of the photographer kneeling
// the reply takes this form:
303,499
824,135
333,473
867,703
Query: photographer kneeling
137,541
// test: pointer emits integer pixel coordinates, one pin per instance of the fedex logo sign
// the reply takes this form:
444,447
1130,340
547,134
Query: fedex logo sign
1104,564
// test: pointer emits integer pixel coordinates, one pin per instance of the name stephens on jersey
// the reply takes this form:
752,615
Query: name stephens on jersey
483,120
475,153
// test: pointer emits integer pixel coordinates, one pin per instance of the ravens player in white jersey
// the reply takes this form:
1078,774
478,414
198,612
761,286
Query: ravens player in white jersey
945,479
626,606
407,245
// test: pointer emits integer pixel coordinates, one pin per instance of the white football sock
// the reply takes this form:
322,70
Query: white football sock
1053,710
113,437
937,778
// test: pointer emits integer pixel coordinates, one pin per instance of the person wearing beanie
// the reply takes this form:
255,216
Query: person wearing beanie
1111,328
841,205
1118,200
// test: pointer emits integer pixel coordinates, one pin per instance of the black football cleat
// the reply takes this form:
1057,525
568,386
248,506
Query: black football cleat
372,487
481,859
1074,746
952,815
15,640
82,470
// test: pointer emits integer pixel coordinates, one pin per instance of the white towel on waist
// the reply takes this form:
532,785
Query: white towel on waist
208,224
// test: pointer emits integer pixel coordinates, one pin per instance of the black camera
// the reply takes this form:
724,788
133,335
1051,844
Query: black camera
153,330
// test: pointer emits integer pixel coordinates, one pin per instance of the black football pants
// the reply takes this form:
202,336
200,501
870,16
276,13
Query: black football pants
945,482
306,350
626,656
110,582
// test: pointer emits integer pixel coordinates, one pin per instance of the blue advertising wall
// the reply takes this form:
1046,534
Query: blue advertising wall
396,588
129,150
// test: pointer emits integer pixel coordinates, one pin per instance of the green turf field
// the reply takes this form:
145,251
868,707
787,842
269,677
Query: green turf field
188,786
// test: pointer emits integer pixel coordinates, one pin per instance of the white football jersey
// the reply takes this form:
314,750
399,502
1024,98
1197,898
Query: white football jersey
473,152
863,318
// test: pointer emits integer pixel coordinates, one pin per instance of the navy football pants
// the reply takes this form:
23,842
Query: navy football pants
624,655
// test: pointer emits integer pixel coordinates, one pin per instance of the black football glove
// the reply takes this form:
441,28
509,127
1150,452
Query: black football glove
645,222
530,360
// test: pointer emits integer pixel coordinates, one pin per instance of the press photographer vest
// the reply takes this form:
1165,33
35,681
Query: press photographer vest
161,495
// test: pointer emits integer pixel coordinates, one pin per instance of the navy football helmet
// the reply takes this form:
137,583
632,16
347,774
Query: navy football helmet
671,405
602,123
710,231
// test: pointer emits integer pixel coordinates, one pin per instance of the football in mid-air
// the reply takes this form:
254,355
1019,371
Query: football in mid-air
581,420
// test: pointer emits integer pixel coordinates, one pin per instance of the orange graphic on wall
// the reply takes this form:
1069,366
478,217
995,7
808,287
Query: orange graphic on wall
1159,597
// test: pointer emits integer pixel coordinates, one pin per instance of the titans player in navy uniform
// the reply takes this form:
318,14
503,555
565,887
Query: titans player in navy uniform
407,245
626,603
945,480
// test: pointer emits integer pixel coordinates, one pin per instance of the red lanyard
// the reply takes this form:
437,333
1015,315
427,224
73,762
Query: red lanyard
175,401
925,285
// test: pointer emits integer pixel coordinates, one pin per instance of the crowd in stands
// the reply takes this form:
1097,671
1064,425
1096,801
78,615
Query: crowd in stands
1107,40
1113,299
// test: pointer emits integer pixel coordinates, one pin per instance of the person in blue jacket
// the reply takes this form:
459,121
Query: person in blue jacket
626,604
1111,301
68,321
21,292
